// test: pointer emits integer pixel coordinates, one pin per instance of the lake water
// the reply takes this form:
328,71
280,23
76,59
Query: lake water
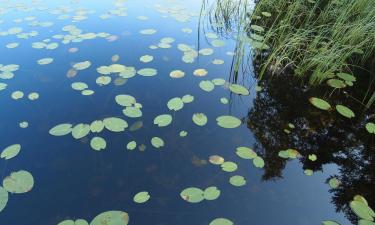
73,181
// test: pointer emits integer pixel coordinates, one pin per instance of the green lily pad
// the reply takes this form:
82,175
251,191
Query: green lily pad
237,181
183,133
125,100
148,31
175,104
345,111
177,74
308,172
365,222
4,196
45,61
96,126
33,96
216,159
336,83
87,92
346,77
289,154
157,142
141,197
61,129
370,127
200,119
218,81
221,221
329,222
228,121
246,153
313,157
80,130
334,182
98,143
24,124
71,222
229,166
200,72
320,103
163,120
103,80
147,72
238,89
187,99
17,95
224,100
146,58
115,124
111,218
132,112
79,86
206,51
206,85
211,193
258,162
131,145
19,182
218,43
362,210
82,65
192,195
10,151
217,61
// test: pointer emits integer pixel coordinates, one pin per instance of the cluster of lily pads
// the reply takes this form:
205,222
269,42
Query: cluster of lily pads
18,182
195,195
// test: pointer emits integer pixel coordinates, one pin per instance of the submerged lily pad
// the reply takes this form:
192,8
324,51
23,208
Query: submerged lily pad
115,124
61,129
4,196
237,181
157,142
10,151
98,143
221,221
320,103
141,197
163,120
19,182
200,119
228,121
345,111
192,195
206,85
111,218
211,193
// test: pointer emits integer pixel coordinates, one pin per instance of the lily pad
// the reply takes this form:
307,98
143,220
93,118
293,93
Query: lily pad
211,193
175,104
187,98
177,74
200,72
45,61
238,89
224,100
146,58
111,218
228,121
192,195
4,196
229,166
10,151
216,159
19,182
183,133
82,65
98,143
79,86
336,83
308,172
346,77
163,120
334,182
345,111
245,153
141,197
33,96
17,95
221,221
147,72
258,162
237,181
115,124
200,119
125,100
96,126
103,80
320,103
329,222
370,127
157,142
362,210
206,85
132,112
61,129
80,130
131,145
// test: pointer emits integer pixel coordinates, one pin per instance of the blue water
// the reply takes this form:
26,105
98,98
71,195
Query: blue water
72,181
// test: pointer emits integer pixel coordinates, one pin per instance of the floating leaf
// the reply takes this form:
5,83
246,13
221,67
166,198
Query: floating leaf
17,95
147,72
24,124
308,172
237,181
45,61
320,103
4,196
187,98
146,58
33,96
82,65
192,195
334,182
266,14
245,153
71,222
132,112
80,130
111,218
206,51
211,193
289,154
370,127
228,121
329,222
346,77
224,100
125,100
19,182
206,85
10,151
336,83
313,157
103,80
175,104
229,166
98,143
216,159
362,210
115,124
131,145
148,31
238,89
200,72
345,111
258,162
218,43
157,142
61,129
163,120
79,86
141,197
221,221
96,126
183,133
87,92
177,74
218,81
218,61
200,119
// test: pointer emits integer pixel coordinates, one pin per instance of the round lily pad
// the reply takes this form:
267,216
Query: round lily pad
132,112
24,124
10,151
187,98
17,95
177,74
206,85
200,119
82,65
336,83
141,197
229,166
237,181
370,127
245,153
45,61
308,172
192,195
157,142
103,80
146,58
125,100
200,72
79,86
61,129
238,89
183,133
96,126
33,96
19,182
4,196
258,162
345,111
320,103
163,120
211,193
228,121
111,218
362,210
216,159
131,145
98,143
218,81
175,104
147,72
334,182
80,130
221,221
115,124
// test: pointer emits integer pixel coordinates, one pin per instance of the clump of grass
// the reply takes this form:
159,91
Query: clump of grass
315,38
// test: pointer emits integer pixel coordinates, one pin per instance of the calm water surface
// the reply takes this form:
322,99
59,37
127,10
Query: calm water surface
73,181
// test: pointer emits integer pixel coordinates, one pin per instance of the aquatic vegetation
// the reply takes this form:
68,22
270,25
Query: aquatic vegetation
237,181
196,195
98,143
228,121
111,217
141,197
200,119
11,151
221,221
18,182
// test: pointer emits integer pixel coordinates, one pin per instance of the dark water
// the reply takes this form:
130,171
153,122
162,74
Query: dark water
72,181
